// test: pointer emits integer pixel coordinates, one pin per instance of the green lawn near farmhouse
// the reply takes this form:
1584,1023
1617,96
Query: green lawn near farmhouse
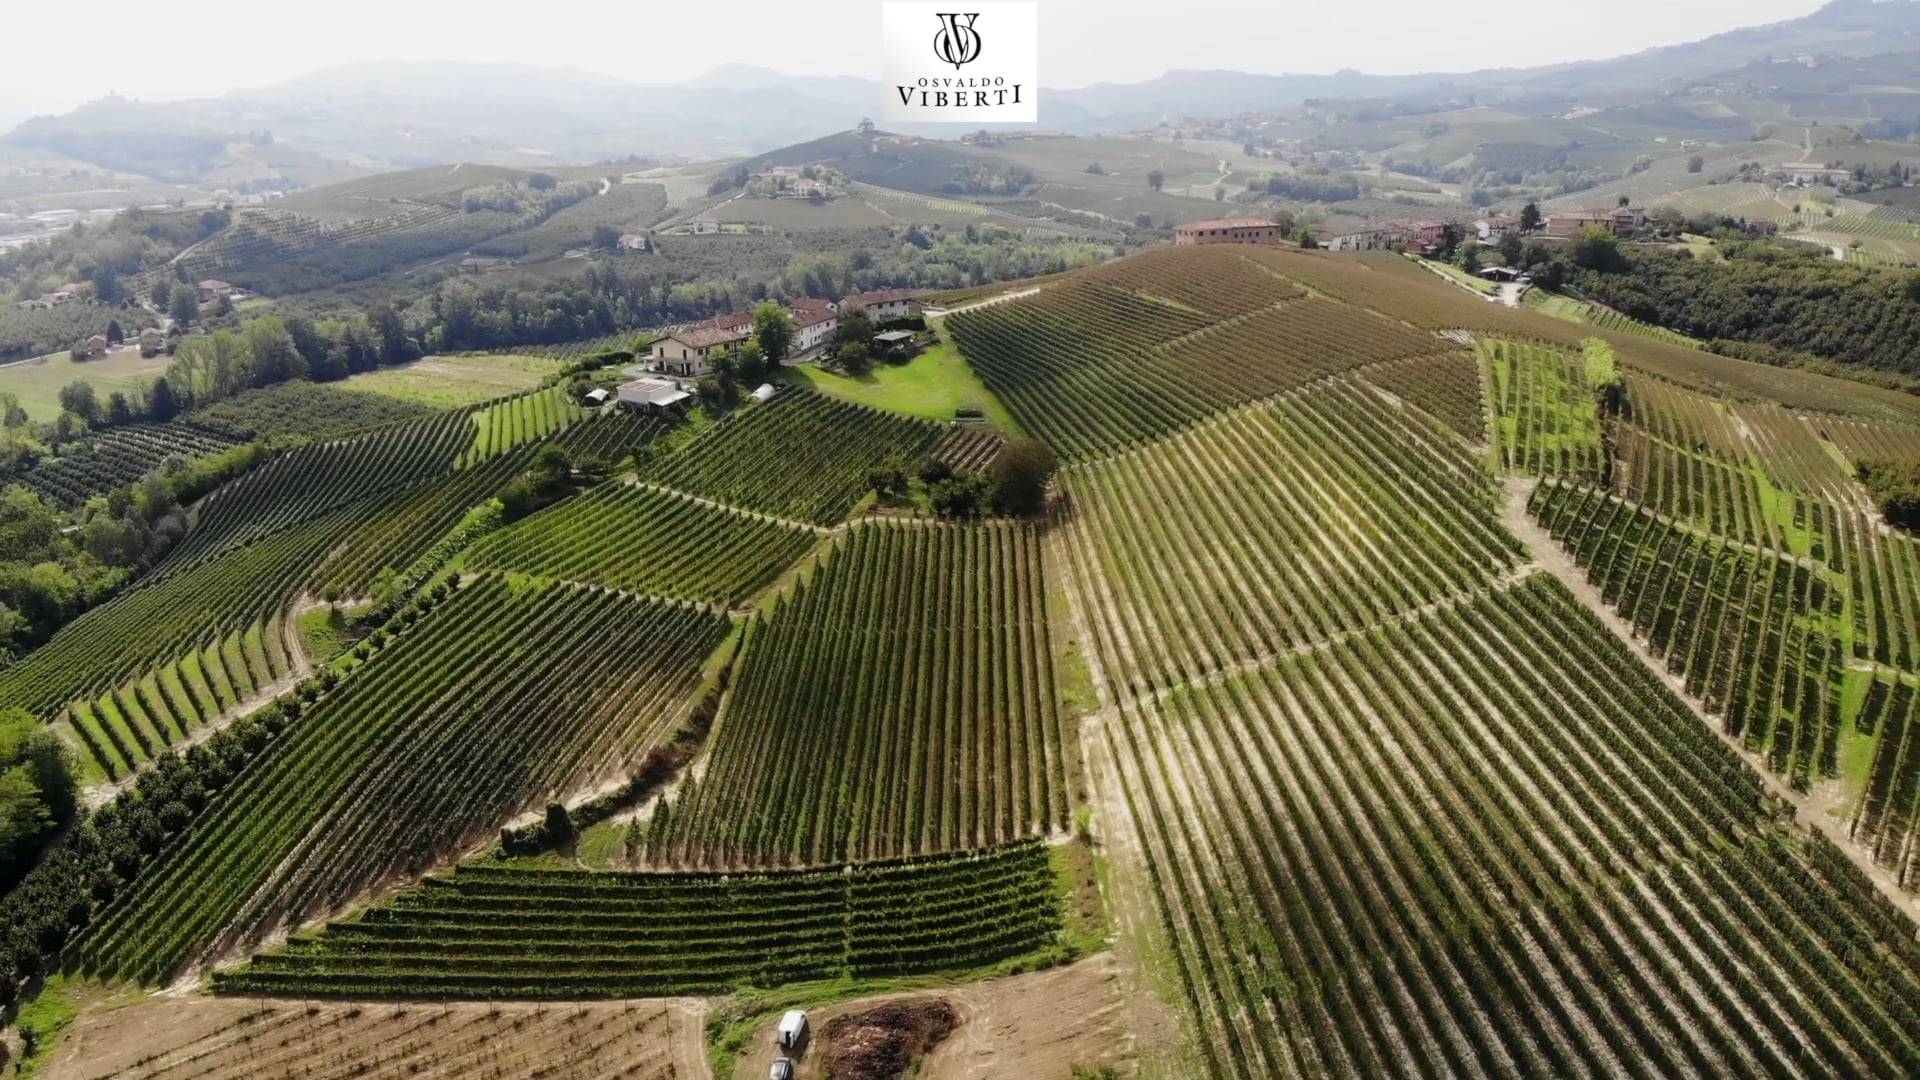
931,385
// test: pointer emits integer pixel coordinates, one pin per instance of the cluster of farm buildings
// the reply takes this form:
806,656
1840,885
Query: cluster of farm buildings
1412,235
690,351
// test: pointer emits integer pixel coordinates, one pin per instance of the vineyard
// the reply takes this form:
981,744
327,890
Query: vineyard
495,932
1544,410
1267,550
1098,363
1534,862
901,702
519,420
500,697
243,1039
802,455
116,458
647,540
310,480
299,410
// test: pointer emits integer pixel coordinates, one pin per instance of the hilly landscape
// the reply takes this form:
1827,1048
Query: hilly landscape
508,583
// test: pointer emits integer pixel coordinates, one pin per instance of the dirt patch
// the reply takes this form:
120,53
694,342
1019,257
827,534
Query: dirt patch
1036,1026
262,1039
884,1042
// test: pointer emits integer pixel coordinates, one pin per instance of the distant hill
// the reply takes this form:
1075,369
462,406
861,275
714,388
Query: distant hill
382,115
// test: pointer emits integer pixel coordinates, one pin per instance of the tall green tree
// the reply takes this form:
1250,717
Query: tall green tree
773,329
1530,218
1156,179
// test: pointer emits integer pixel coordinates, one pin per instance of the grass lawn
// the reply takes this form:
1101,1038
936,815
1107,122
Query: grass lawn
1476,284
447,382
38,381
931,385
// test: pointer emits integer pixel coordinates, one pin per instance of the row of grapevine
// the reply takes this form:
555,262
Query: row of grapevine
115,458
238,1039
1447,386
145,716
307,481
901,701
1278,527
1489,842
500,698
298,410
170,618
1753,634
516,421
802,455
612,435
494,932
1887,818
1545,414
408,522
1093,369
648,540
968,448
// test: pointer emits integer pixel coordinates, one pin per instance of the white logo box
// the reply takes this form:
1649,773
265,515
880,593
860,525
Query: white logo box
963,63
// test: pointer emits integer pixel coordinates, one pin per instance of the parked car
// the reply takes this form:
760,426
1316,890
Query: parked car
782,1069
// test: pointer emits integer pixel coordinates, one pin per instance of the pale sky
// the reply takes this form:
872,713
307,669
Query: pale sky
54,56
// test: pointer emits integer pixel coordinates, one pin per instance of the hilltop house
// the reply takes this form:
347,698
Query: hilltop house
883,303
1492,230
1571,224
1363,238
814,322
688,352
1802,173
1228,231
632,242
213,289
152,341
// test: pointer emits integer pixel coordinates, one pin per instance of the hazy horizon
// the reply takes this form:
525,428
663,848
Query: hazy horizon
1082,42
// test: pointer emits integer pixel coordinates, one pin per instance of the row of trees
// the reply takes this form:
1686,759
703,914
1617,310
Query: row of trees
1014,484
37,791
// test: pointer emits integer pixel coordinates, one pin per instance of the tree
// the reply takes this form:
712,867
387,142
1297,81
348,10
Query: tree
773,329
1696,163
1155,179
1470,257
551,466
854,359
959,496
1530,218
606,237
77,397
184,307
115,335
1303,236
1020,474
751,363
1597,249
1219,193
161,406
119,410
161,292
1511,248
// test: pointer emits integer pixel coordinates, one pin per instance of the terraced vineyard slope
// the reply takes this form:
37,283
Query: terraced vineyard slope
900,702
497,932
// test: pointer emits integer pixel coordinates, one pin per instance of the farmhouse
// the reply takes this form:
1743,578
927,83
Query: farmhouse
1228,231
883,303
95,346
688,352
1492,230
213,288
1365,238
652,395
1570,224
152,341
632,242
814,322
1802,173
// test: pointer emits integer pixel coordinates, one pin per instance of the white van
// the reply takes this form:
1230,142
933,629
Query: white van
793,1030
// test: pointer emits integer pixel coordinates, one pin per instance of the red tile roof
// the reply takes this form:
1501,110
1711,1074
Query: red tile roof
809,312
702,337
879,296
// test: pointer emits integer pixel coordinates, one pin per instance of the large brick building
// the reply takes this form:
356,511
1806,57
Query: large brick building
1228,231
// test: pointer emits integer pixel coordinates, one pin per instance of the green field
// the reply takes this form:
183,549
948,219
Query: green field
38,381
931,385
448,382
